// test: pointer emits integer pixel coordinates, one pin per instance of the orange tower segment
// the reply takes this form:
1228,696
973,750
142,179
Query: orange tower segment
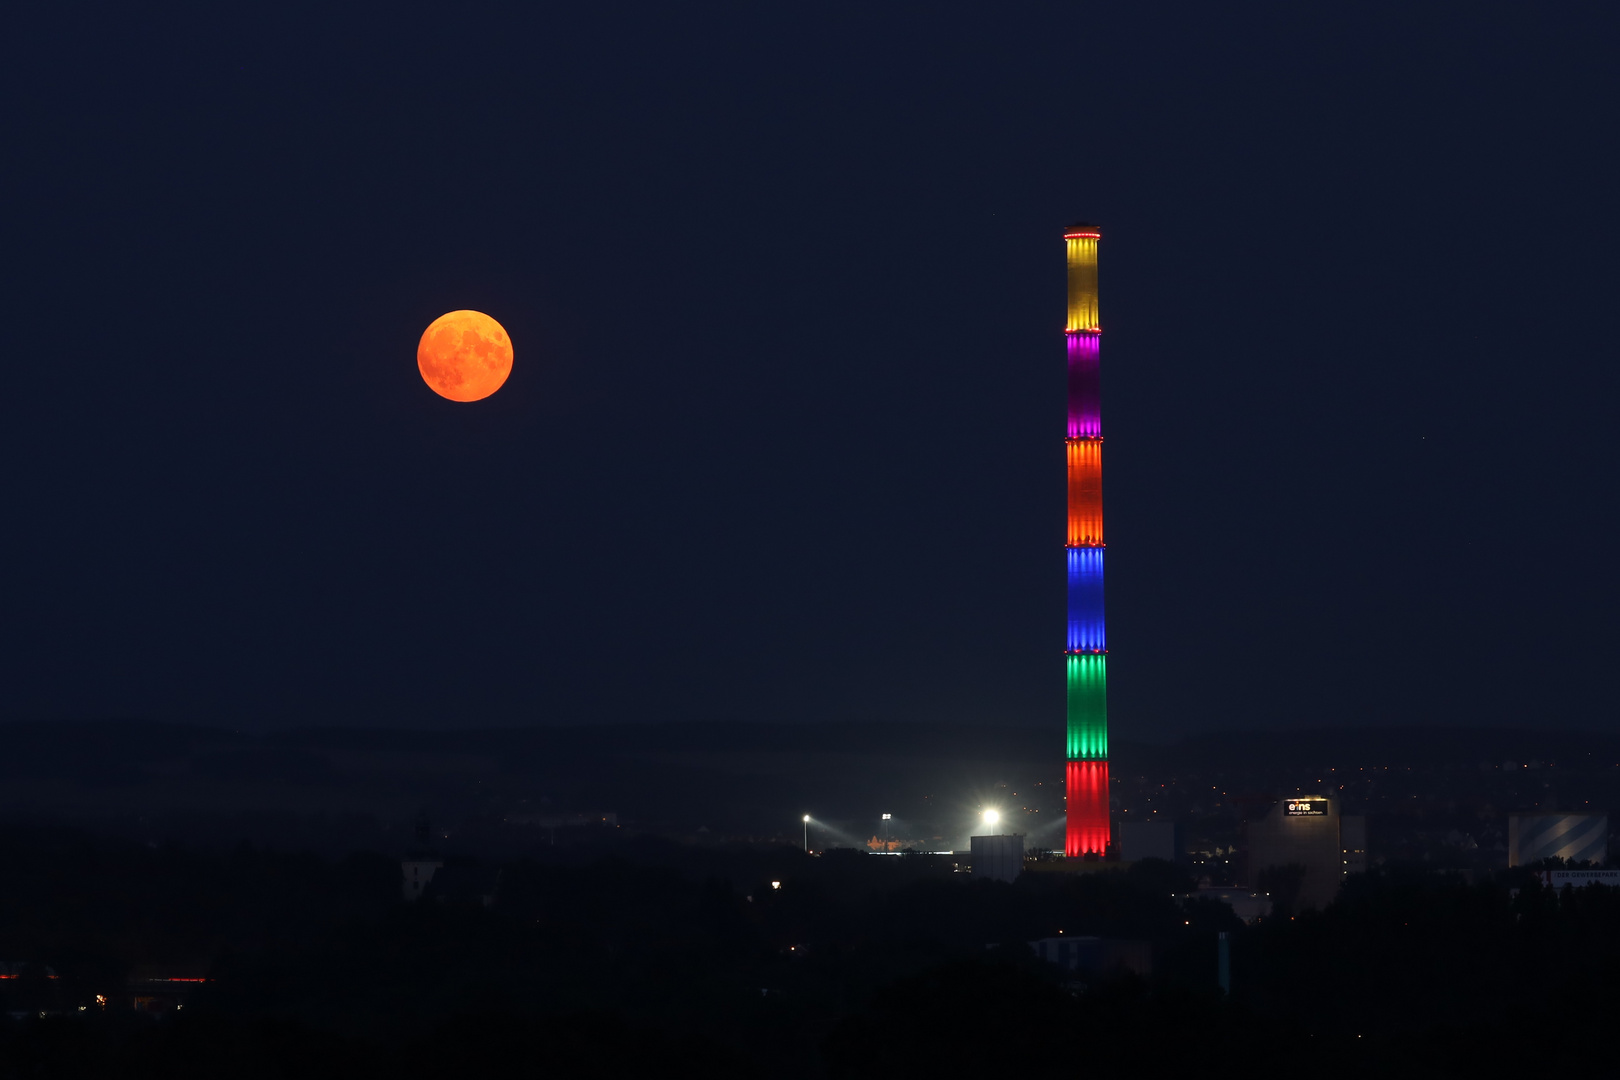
1085,493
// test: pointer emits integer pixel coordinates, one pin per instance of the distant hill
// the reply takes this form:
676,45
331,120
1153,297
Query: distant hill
725,778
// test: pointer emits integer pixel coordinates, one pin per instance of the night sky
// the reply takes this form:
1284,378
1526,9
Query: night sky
784,436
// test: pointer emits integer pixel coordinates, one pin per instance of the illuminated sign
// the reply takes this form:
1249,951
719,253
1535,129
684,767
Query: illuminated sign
1580,878
1305,808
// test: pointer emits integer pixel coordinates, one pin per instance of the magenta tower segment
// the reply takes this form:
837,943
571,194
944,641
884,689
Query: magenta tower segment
1085,387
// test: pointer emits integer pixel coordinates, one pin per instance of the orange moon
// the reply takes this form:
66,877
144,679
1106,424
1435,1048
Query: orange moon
464,355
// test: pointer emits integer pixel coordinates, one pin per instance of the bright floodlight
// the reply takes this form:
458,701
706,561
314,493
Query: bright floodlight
807,819
991,817
886,817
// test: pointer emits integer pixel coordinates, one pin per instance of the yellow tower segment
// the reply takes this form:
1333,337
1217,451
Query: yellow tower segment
1082,245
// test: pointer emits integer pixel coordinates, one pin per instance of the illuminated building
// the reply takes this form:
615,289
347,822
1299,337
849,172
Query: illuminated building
1086,660
1306,841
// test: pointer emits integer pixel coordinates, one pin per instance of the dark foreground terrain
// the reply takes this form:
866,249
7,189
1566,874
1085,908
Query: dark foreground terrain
184,901
608,957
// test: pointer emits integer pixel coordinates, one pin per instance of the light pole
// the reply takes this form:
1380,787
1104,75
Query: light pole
886,818
807,834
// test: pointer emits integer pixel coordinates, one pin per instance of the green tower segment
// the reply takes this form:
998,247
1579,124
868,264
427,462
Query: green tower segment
1088,707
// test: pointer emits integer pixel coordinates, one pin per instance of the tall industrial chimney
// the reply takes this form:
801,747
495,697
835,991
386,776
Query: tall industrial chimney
1086,766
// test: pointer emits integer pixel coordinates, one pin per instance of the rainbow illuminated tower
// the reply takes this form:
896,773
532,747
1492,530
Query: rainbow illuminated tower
1086,659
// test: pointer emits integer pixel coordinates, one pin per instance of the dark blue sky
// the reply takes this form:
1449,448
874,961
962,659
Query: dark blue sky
783,441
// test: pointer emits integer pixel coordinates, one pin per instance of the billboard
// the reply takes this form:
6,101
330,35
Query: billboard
1305,807
1579,837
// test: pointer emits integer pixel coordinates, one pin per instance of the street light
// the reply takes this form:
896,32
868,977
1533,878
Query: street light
807,834
886,818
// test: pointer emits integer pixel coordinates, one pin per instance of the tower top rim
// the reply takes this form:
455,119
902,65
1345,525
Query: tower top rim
1082,229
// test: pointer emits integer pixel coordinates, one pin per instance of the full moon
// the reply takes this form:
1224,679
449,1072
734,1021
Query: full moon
464,355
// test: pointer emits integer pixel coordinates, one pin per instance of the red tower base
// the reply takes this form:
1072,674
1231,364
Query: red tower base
1087,829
